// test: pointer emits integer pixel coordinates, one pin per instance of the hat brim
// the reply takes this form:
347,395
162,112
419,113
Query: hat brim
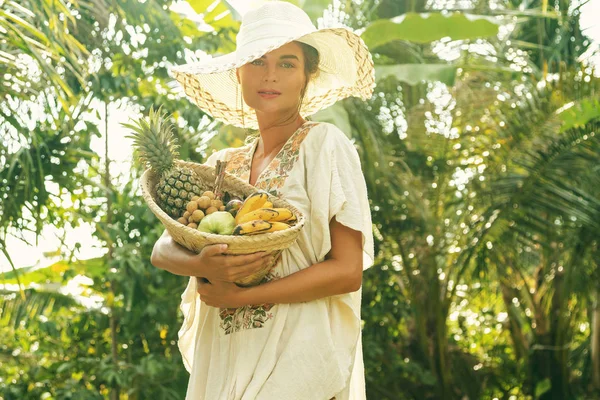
345,69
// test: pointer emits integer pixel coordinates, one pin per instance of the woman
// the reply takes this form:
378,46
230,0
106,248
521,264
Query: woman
297,335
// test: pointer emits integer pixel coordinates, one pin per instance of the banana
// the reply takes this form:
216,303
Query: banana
252,227
268,204
276,226
284,214
253,202
266,214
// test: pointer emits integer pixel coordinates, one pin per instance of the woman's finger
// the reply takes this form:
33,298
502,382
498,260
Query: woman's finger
235,260
253,267
213,250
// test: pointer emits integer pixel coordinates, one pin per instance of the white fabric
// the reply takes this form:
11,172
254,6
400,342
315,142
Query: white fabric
308,350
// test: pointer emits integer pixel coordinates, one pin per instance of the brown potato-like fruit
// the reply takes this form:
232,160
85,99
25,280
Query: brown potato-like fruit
192,225
209,194
197,216
211,210
216,203
182,220
195,198
222,208
191,206
203,202
186,214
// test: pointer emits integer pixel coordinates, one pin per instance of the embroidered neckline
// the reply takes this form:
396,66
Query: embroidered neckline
274,175
286,147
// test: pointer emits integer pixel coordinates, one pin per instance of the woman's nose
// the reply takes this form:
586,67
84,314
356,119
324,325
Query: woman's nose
270,74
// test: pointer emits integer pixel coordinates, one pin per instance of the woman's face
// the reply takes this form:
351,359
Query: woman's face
274,82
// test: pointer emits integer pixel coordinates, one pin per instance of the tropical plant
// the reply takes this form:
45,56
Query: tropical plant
480,151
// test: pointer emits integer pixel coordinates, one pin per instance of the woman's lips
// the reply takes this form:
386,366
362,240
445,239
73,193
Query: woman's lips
268,95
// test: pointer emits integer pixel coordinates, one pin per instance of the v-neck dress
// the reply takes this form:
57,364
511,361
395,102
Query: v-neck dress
300,351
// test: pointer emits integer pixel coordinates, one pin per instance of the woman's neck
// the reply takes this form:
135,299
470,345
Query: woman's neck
273,135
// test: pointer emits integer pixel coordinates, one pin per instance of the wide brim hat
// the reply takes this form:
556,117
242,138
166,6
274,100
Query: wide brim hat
345,65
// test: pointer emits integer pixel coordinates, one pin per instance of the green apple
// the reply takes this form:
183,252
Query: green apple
219,222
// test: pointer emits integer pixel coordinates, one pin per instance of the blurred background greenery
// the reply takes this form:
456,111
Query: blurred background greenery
481,152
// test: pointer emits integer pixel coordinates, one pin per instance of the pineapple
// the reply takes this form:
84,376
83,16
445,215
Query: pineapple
154,143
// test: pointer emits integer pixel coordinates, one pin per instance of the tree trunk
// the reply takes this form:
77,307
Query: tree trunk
520,344
115,393
436,324
595,343
557,352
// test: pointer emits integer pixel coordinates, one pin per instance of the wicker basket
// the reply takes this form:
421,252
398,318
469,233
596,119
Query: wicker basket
194,240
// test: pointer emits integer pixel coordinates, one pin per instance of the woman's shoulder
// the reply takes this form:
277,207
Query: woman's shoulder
329,135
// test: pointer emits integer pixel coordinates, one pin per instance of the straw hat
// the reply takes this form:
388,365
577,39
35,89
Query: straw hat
345,64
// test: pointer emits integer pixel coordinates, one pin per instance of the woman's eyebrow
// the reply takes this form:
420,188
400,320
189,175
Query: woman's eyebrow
286,56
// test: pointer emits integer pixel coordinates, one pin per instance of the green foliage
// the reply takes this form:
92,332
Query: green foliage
413,74
577,115
425,28
482,175
314,8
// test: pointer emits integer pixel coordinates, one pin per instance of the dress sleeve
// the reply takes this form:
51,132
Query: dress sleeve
337,188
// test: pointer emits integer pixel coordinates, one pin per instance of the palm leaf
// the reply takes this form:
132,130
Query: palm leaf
15,310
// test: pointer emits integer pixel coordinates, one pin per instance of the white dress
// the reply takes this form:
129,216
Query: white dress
300,351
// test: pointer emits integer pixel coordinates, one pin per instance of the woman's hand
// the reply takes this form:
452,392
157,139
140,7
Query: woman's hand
211,263
220,294
228,267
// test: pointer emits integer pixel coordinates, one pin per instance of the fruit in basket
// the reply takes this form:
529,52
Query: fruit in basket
197,216
219,222
253,202
209,194
252,227
153,140
211,210
269,214
266,214
203,202
191,207
250,217
258,226
233,206
285,215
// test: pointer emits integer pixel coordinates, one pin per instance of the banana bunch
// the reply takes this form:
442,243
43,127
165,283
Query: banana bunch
254,218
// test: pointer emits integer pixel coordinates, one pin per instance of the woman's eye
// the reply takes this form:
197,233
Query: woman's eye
256,62
287,65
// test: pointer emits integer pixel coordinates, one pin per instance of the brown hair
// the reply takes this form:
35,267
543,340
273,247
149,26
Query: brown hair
311,66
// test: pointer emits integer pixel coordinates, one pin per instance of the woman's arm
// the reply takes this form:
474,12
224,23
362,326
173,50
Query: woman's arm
340,273
172,257
211,263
